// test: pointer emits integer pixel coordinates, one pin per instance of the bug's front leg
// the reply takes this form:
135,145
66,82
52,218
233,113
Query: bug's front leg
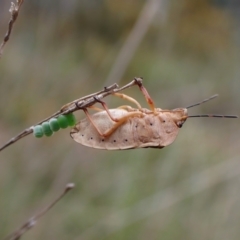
128,98
145,93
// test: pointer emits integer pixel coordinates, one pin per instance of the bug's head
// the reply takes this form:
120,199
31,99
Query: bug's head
179,116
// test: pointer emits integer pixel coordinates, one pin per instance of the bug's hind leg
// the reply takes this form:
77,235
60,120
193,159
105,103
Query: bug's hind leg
145,93
115,125
121,121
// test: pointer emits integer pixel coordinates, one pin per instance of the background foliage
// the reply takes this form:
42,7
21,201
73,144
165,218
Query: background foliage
62,50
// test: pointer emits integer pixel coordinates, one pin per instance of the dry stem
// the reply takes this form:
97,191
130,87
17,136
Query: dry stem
14,10
33,220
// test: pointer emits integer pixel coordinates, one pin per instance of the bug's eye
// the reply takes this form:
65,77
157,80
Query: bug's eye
180,123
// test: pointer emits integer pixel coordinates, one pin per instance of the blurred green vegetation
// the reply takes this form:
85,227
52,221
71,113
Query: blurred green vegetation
62,50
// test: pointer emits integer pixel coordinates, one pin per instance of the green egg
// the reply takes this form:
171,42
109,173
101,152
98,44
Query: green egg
63,121
46,129
54,124
71,119
38,131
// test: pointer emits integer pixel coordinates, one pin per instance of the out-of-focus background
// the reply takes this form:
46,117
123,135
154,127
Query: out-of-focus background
62,50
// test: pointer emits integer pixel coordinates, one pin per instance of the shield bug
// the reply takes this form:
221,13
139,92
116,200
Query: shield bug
126,127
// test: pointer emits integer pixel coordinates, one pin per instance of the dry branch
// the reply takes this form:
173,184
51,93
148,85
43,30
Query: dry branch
14,10
33,220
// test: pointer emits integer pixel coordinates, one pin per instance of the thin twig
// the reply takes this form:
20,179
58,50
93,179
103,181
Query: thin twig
14,10
75,105
33,220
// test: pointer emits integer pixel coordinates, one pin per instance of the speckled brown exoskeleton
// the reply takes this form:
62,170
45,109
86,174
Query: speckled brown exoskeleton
126,127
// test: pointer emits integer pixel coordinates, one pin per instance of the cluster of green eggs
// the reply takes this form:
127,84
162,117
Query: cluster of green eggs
53,125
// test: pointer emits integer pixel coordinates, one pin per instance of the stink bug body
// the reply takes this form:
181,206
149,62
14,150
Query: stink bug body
143,129
126,127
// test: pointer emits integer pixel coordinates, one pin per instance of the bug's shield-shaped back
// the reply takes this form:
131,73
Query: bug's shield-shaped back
161,129
155,130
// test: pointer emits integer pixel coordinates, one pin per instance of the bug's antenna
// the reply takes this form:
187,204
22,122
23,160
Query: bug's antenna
205,100
214,115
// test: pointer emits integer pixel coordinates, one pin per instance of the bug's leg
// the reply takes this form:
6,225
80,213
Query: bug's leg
126,107
106,109
145,93
120,122
92,122
96,108
116,124
130,99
